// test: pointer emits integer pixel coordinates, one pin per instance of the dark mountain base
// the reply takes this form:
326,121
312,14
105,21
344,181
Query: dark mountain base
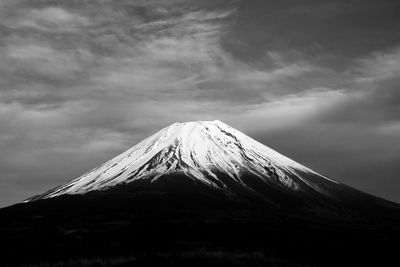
138,226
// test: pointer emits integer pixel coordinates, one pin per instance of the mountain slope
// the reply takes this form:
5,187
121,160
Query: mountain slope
212,157
199,190
202,151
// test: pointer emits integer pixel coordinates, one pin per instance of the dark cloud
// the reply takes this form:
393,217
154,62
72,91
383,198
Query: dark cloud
330,32
81,81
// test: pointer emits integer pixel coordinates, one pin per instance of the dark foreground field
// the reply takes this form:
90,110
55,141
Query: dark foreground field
192,229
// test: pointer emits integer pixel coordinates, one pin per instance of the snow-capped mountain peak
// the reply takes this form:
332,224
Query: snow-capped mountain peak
202,151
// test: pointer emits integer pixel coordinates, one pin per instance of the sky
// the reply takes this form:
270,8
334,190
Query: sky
84,80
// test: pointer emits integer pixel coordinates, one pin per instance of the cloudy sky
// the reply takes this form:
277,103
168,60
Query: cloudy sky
83,80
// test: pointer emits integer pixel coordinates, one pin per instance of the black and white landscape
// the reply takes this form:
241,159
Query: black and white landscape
201,193
256,132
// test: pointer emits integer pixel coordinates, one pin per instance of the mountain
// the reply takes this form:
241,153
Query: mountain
211,154
201,193
200,150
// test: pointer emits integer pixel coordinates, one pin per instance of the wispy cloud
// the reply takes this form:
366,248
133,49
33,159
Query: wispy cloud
290,111
380,66
53,19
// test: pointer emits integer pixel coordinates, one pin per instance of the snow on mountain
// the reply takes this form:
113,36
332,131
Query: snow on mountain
201,150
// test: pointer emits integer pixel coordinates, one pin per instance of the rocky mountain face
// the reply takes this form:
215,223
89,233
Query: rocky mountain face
201,194
210,153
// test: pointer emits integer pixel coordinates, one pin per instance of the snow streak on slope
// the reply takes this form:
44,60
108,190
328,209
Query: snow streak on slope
201,150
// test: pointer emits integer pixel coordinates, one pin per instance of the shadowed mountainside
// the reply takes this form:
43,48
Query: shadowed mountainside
147,223
201,193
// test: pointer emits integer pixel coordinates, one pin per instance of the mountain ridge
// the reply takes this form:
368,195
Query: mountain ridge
217,156
197,149
177,192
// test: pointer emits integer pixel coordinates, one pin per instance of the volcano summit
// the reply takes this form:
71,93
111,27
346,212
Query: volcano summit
210,153
212,156
202,185
205,152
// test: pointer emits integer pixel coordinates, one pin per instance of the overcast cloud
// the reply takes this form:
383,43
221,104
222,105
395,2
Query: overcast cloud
81,81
